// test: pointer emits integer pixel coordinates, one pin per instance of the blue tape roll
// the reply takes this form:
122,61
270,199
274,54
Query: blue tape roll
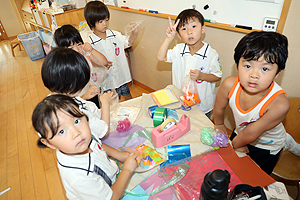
151,110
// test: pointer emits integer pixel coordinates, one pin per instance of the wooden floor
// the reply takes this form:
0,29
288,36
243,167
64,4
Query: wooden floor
29,172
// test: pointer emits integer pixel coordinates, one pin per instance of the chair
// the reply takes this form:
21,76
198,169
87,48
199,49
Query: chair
287,170
13,44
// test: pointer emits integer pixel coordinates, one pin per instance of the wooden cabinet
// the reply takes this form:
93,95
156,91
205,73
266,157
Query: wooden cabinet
45,19
37,19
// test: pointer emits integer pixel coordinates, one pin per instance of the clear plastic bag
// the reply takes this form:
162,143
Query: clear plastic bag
189,89
215,138
106,84
136,27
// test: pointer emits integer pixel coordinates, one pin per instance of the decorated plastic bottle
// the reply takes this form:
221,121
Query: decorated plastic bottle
215,185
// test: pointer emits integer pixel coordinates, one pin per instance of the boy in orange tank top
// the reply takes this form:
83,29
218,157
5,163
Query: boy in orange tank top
258,103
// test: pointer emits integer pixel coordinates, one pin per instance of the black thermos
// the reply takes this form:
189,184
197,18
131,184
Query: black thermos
215,185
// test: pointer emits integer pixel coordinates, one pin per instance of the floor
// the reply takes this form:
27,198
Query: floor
29,172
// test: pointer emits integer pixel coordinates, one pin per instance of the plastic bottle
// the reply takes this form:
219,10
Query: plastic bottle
215,185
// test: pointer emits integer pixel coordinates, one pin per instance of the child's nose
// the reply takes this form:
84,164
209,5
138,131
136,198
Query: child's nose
254,75
76,133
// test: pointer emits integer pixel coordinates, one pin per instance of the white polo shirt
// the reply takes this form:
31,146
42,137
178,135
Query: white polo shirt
206,60
97,126
78,176
113,49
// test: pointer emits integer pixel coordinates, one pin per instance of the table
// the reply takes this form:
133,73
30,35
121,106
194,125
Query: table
254,176
192,137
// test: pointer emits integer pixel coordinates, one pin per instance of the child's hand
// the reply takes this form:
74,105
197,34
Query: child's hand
195,75
130,162
107,97
243,149
171,30
109,64
87,47
93,91
222,128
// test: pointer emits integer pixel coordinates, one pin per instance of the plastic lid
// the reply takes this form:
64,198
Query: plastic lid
215,185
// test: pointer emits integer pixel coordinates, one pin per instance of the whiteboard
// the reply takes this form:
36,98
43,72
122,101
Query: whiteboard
233,12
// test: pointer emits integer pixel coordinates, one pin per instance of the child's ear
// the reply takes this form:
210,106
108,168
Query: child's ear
47,143
179,36
277,75
203,29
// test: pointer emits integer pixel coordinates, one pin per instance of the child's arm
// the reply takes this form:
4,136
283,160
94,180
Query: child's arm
197,75
129,165
93,91
171,32
97,58
105,100
274,114
221,103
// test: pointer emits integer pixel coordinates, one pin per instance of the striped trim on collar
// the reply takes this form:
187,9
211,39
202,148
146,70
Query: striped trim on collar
87,170
112,34
184,51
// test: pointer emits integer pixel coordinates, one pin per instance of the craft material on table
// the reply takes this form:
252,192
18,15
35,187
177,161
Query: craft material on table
122,113
148,158
200,165
116,139
164,97
147,186
178,152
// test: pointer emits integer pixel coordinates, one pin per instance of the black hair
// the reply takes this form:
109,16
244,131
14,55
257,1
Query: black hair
95,11
186,15
65,71
67,35
44,116
273,46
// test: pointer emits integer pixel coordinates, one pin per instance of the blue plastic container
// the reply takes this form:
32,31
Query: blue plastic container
32,45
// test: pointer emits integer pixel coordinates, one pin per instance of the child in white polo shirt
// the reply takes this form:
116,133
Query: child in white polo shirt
193,57
85,168
111,44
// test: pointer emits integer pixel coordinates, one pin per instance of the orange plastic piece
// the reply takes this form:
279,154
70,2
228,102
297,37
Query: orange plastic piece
190,99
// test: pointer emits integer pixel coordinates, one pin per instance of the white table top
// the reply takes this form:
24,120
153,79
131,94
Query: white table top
198,121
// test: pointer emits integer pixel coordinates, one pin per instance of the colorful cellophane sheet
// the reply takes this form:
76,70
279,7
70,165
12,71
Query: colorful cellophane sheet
190,185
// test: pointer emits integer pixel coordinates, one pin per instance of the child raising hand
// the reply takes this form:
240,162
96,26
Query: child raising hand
85,168
193,58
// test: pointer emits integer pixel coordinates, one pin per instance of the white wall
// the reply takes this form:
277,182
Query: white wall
9,19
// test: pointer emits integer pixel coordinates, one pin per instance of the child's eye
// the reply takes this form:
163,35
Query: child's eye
247,66
61,132
77,121
194,26
265,69
183,29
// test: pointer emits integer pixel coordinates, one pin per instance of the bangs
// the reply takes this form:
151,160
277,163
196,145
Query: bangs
269,57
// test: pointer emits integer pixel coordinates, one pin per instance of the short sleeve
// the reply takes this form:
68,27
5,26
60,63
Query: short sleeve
171,55
215,65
